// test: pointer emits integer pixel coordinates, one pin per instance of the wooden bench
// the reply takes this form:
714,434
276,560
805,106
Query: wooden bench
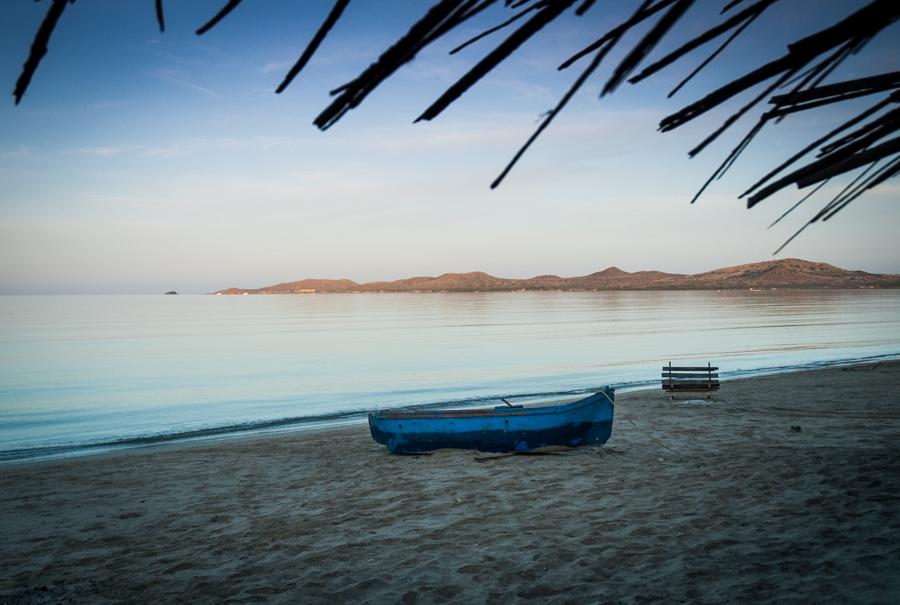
680,379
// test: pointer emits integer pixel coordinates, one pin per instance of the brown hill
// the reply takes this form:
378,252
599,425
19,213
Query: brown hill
791,273
302,286
448,282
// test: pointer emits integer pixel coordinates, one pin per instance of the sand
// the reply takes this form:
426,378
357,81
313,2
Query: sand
688,502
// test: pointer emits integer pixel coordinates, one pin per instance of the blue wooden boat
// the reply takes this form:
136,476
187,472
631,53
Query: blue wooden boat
500,429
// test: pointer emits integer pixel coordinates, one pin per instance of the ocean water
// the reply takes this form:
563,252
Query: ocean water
90,373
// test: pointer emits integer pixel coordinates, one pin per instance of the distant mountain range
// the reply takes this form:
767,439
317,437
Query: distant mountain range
787,274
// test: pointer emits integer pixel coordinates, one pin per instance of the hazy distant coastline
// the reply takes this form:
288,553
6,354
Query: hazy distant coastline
783,274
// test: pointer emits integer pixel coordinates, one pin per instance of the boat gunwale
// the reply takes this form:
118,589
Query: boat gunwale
555,408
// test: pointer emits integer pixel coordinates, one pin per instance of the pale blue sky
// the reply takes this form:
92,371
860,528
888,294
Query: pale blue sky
141,162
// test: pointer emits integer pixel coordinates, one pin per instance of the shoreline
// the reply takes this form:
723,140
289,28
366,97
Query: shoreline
692,500
188,293
332,421
539,290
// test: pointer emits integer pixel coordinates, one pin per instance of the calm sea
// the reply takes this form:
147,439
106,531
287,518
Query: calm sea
89,373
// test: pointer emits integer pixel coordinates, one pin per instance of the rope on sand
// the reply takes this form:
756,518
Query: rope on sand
654,439
560,452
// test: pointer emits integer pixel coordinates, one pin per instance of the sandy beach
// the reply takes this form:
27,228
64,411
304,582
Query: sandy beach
712,502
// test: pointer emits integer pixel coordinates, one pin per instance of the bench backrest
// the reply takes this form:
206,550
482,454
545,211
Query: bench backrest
690,378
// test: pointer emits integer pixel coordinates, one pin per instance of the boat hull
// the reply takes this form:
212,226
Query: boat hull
502,429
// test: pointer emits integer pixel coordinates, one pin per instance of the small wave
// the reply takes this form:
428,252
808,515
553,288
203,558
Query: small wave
812,365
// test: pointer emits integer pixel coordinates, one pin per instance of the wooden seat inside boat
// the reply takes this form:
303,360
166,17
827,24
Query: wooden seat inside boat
690,379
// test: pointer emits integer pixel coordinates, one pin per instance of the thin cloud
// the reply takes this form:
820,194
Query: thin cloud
165,151
101,105
506,131
105,151
180,78
275,66
528,90
20,152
